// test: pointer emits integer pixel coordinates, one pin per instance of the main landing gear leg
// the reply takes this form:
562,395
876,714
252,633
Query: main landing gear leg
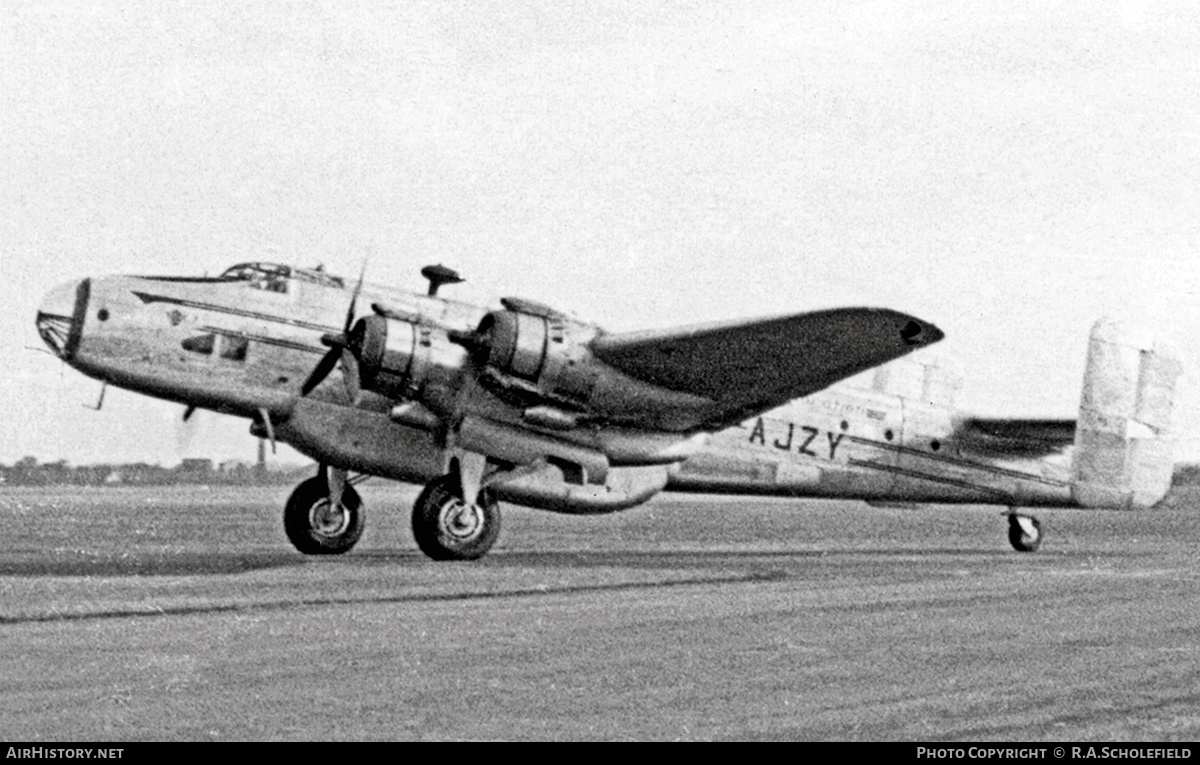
447,527
1024,531
324,515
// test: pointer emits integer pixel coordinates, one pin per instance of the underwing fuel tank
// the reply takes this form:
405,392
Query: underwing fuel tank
1123,448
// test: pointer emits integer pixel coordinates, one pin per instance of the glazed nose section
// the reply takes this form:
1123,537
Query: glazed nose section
60,317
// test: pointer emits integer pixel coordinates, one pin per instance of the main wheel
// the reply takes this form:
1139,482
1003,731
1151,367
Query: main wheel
315,527
1024,532
448,528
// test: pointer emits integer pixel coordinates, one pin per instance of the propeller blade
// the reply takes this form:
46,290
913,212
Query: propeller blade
322,370
339,349
354,297
335,339
350,375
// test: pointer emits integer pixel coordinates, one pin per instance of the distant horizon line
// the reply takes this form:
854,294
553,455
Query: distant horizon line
34,461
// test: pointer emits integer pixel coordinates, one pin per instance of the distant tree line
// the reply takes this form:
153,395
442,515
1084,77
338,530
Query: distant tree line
1186,474
29,472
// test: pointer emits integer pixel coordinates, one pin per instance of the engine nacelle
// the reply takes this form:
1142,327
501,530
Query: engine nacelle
530,357
406,360
540,351
542,362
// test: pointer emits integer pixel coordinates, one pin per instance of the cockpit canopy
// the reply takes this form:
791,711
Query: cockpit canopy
274,277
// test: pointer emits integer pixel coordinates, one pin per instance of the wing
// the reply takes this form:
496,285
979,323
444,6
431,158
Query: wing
748,367
1015,438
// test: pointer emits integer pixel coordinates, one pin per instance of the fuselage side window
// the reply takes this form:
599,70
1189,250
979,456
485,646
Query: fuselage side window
234,348
200,344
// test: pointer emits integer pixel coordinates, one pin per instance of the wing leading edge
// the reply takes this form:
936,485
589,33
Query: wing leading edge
748,367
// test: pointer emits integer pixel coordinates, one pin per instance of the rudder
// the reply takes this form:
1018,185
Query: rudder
1124,453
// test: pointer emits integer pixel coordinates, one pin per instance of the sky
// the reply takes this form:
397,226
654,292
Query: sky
1008,170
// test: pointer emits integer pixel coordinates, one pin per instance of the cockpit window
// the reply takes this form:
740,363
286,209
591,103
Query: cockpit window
274,277
271,277
318,276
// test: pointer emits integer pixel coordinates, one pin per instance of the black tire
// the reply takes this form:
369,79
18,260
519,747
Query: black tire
313,529
1024,532
446,528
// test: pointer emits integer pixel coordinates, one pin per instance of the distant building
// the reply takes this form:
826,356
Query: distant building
196,466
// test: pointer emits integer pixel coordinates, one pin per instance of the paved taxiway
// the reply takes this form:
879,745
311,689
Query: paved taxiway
182,613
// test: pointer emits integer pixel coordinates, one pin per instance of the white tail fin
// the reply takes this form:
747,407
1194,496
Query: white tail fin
1124,453
932,379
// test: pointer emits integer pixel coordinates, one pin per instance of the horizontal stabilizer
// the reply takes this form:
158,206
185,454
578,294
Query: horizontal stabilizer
748,367
1017,438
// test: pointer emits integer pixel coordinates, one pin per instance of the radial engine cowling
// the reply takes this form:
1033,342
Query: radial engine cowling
542,361
540,352
403,359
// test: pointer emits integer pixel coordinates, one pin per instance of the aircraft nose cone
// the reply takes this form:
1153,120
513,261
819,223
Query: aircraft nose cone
60,317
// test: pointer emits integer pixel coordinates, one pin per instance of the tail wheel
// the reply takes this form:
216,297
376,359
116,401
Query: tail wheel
1024,532
315,526
447,527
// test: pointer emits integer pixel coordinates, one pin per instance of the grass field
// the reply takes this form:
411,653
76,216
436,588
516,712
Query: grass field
183,613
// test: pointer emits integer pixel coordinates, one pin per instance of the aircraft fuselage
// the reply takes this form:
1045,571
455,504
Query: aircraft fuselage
860,444
244,346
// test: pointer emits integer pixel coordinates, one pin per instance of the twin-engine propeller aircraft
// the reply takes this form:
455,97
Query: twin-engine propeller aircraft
526,404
